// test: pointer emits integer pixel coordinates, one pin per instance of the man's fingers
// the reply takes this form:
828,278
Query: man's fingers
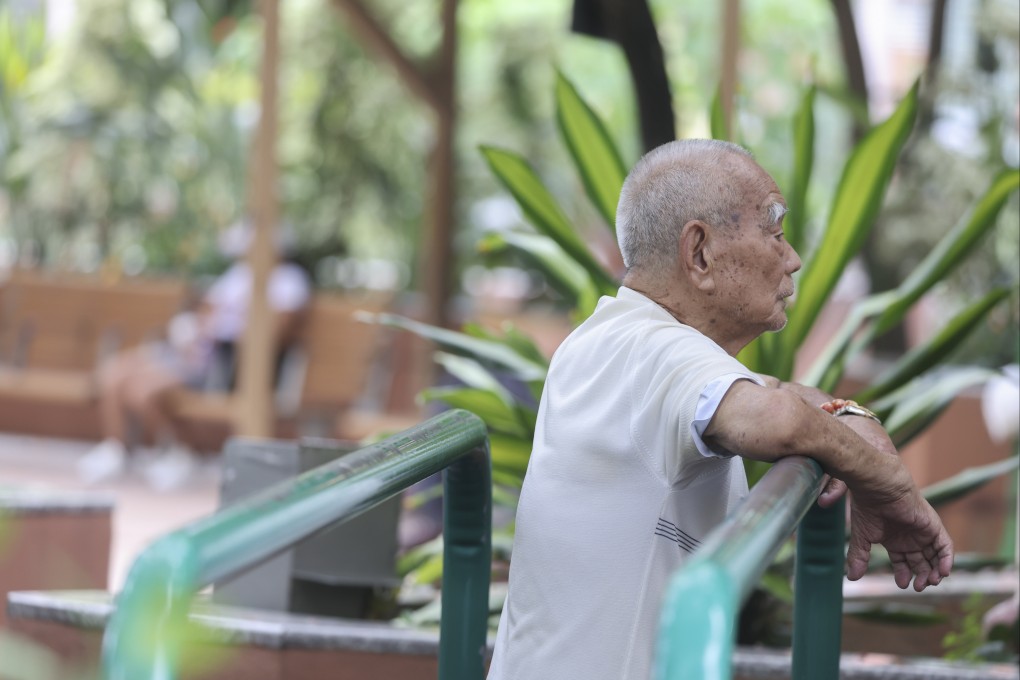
901,572
833,491
857,556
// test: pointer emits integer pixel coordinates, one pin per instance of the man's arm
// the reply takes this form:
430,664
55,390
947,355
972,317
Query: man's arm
769,423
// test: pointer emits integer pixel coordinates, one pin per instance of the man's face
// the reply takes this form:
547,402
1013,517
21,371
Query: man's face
755,264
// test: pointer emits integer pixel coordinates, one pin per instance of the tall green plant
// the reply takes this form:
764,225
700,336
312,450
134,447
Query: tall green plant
911,394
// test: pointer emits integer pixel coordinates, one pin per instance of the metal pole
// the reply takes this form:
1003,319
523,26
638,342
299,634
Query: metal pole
818,593
467,564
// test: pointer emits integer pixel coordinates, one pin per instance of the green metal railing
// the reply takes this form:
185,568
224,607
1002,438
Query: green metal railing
144,637
699,614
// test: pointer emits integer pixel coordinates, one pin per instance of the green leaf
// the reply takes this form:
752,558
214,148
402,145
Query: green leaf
717,117
498,416
562,272
952,249
857,202
474,375
921,358
522,344
913,407
827,370
486,351
795,223
597,159
544,213
510,454
966,481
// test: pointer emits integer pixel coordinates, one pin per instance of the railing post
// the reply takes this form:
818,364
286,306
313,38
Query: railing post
696,632
467,564
818,593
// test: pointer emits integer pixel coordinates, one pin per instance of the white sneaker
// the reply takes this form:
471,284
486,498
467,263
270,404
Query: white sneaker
106,460
172,470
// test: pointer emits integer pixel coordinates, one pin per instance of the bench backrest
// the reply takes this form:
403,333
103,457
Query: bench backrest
339,349
68,322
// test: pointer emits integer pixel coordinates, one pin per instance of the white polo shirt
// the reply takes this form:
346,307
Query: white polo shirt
620,489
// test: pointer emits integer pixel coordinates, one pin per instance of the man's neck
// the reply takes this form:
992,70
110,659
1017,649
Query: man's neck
689,312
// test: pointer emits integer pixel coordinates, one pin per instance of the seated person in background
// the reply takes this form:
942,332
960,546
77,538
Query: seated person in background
199,352
646,414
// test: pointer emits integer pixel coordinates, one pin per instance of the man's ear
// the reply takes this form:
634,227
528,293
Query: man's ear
695,256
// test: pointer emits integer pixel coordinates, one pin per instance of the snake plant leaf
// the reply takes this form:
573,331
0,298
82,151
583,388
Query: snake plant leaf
858,199
544,213
916,405
562,271
827,370
595,154
512,337
962,483
498,416
510,454
952,248
522,344
474,375
485,351
795,223
751,356
717,117
923,357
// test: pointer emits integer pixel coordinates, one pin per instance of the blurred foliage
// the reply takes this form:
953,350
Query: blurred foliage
971,642
126,138
970,132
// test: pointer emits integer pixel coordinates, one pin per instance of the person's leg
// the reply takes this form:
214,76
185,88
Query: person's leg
152,399
147,395
109,458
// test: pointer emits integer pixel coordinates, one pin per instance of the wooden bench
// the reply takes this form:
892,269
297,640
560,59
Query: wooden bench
56,329
324,374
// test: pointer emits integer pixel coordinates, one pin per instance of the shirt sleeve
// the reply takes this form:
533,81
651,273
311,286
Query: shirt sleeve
708,403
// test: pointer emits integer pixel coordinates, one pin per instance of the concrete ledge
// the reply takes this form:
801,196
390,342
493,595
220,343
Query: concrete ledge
44,502
289,633
53,539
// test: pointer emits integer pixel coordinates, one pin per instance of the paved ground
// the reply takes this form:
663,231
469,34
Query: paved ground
140,513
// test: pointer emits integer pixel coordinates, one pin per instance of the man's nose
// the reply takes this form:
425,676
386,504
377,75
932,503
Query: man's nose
793,262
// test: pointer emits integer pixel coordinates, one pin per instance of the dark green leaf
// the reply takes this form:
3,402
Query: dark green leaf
858,199
925,356
968,480
952,249
595,155
510,454
717,118
913,407
544,213
562,272
485,404
485,351
803,161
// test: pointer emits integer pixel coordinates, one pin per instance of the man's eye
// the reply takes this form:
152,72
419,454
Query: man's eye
780,236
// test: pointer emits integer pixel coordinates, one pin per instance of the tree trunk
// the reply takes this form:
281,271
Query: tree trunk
630,25
254,416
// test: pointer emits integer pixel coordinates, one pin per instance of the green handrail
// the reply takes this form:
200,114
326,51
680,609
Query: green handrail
697,629
143,639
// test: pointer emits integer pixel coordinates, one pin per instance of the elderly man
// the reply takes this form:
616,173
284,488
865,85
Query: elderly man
646,415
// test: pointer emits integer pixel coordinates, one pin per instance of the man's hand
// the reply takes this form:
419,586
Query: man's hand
919,546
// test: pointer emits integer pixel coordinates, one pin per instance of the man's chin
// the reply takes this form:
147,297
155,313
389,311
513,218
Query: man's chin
779,324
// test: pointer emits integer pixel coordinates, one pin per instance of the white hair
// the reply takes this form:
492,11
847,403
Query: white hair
671,185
